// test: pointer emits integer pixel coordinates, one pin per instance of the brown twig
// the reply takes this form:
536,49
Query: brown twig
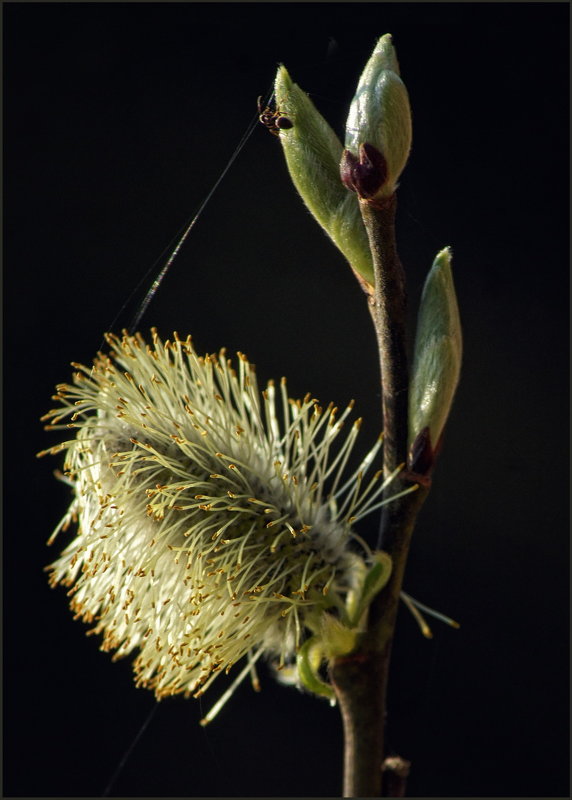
387,305
360,680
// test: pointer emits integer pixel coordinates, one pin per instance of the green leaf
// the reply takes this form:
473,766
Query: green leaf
308,661
375,579
337,639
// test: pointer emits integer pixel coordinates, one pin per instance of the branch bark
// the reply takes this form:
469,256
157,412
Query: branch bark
388,308
360,680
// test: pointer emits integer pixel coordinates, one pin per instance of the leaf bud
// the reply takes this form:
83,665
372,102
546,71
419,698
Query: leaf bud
313,153
436,365
378,128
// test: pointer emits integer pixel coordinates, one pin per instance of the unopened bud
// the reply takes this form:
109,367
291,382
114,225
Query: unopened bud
313,153
378,128
436,364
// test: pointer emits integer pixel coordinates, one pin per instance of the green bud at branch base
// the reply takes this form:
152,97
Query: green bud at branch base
436,364
339,637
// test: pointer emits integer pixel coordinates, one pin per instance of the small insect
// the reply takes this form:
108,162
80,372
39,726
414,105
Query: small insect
273,119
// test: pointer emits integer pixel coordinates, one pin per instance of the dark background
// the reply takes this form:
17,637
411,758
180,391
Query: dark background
118,120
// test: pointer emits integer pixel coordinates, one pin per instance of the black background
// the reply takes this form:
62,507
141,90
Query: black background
118,120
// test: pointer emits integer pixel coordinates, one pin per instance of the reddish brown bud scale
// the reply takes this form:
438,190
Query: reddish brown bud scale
422,457
365,174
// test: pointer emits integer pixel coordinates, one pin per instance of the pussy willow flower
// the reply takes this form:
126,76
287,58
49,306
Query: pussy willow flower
214,521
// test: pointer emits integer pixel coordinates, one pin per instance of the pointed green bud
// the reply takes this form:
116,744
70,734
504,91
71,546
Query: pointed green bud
378,129
313,153
436,364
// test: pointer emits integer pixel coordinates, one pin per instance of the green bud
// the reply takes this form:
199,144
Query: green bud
378,128
436,364
313,153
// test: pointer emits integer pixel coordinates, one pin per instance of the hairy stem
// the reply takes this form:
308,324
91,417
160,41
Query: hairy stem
360,680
